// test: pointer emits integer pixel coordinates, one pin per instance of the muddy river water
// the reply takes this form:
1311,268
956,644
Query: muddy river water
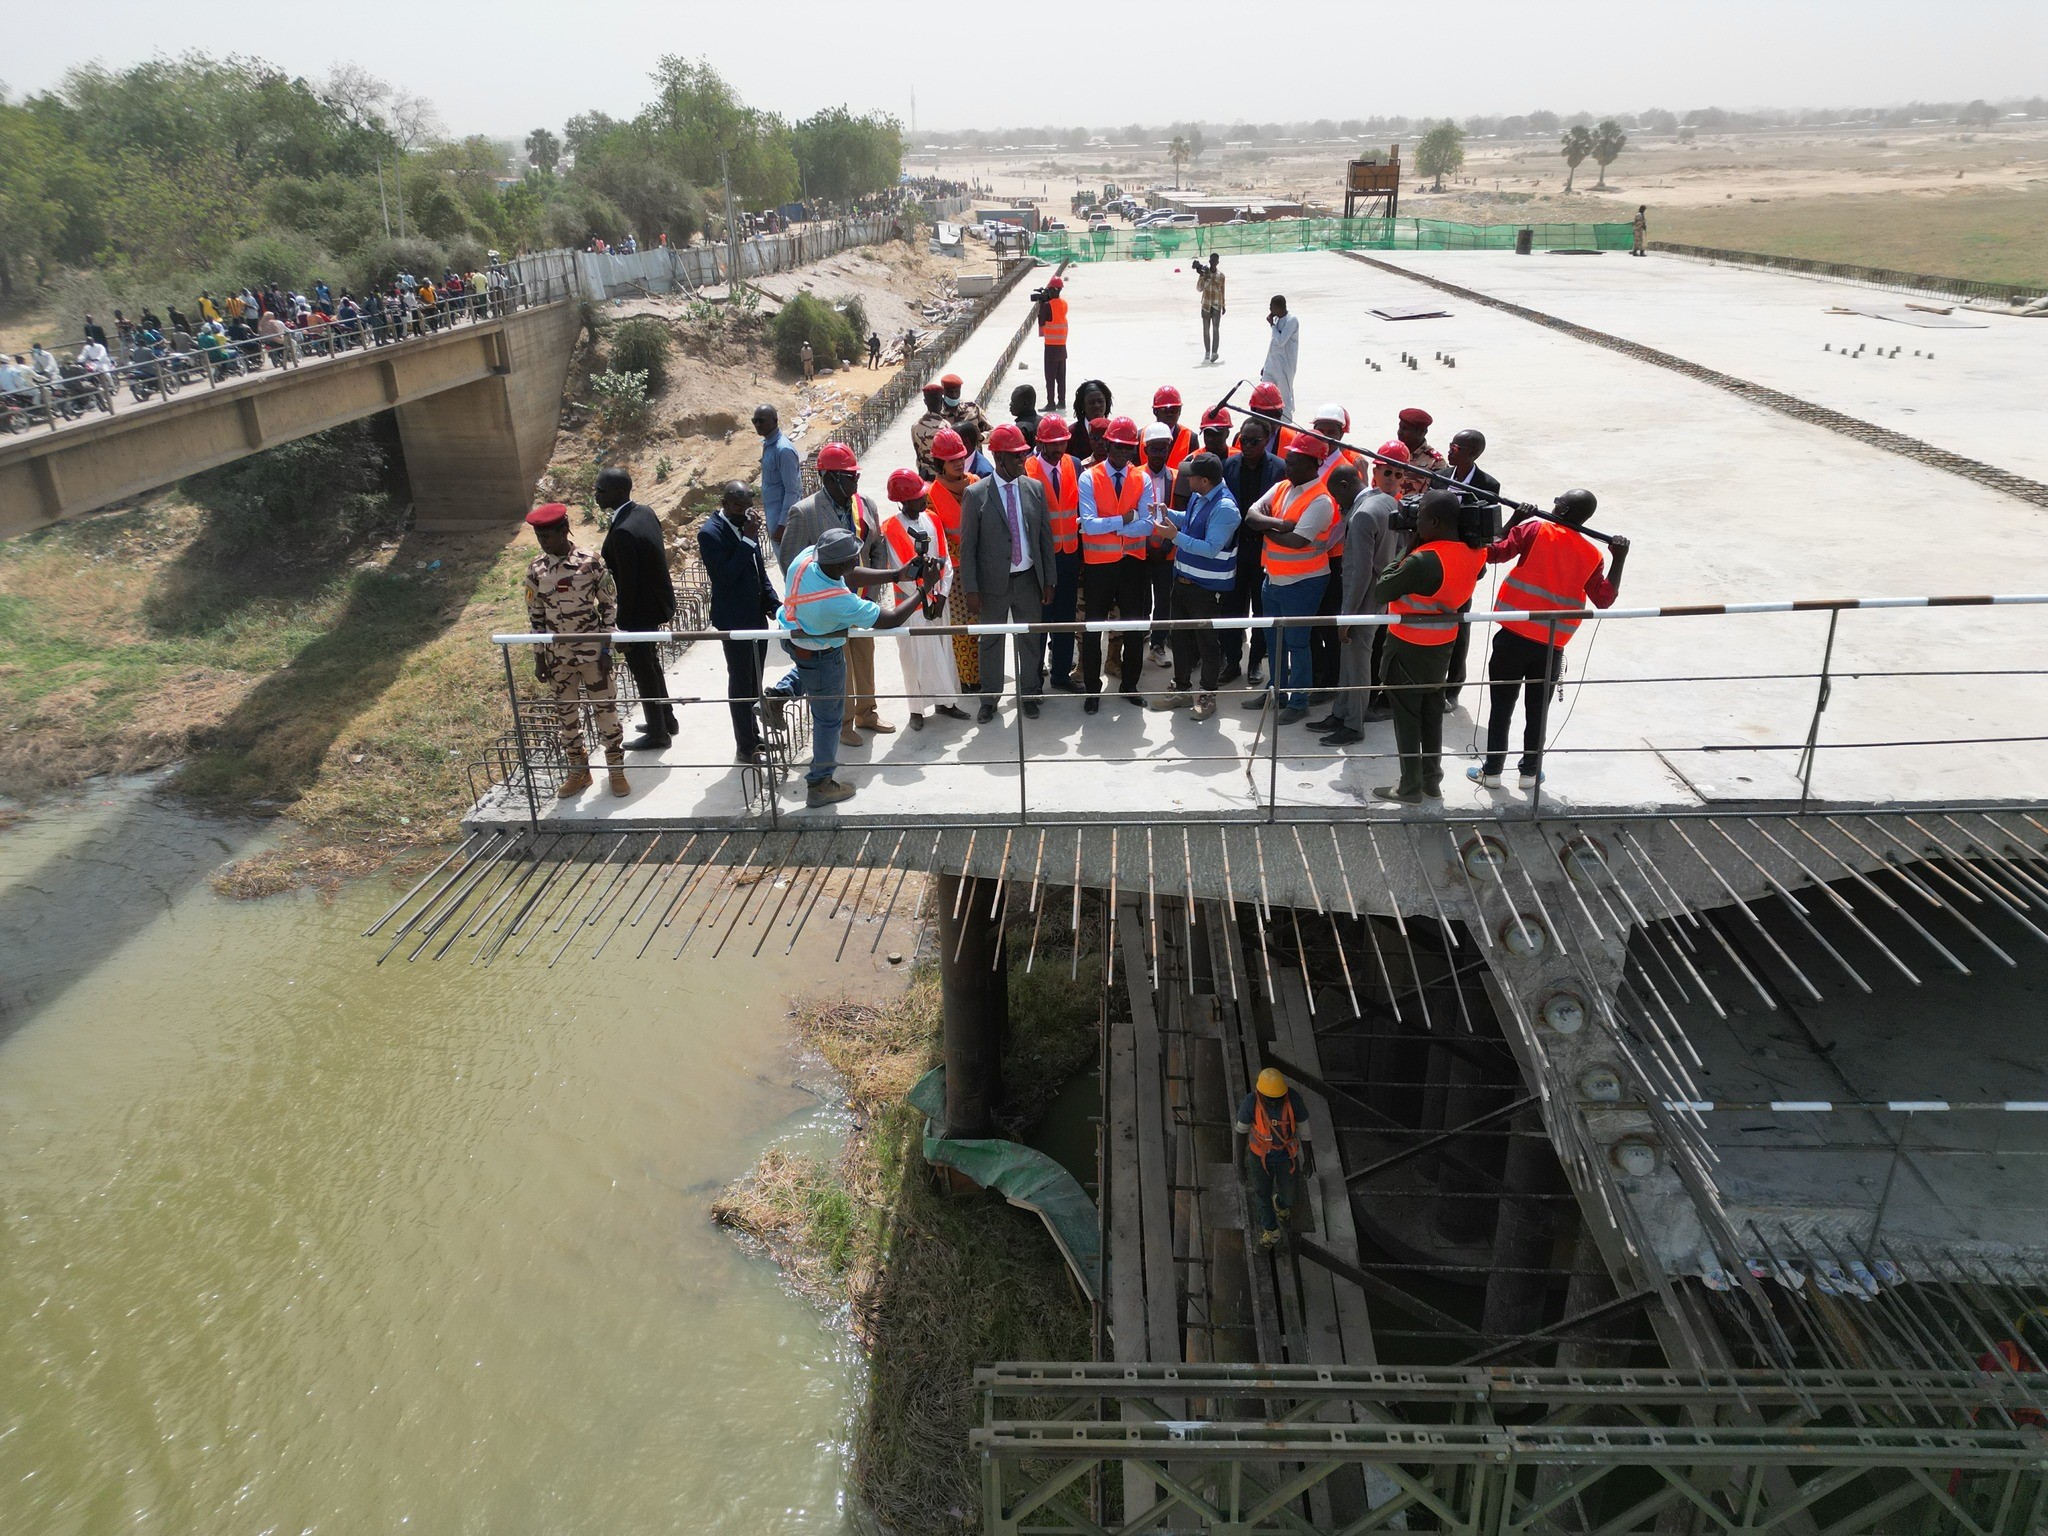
290,1242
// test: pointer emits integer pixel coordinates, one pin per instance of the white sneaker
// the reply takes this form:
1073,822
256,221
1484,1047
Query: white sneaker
1527,780
1482,779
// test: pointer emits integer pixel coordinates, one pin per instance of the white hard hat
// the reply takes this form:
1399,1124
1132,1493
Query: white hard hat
1159,432
1332,413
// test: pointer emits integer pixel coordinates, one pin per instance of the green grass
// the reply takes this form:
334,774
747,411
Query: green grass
1992,236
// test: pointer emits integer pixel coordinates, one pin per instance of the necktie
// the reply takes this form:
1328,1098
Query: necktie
1016,525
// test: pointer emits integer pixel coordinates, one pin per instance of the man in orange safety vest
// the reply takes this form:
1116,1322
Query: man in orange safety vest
1274,1123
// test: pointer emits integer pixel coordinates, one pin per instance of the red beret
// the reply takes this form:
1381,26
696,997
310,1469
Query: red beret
907,485
546,516
1416,416
837,456
951,380
1008,438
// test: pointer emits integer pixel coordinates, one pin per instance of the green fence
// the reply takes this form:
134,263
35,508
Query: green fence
1322,235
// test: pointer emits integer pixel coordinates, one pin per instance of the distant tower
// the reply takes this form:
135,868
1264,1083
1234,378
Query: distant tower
913,112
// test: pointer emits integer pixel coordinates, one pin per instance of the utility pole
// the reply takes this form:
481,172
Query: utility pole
383,206
732,229
398,175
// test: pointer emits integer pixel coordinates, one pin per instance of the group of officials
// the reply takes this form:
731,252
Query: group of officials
1045,519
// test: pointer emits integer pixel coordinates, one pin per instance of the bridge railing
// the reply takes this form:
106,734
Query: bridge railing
1753,734
80,393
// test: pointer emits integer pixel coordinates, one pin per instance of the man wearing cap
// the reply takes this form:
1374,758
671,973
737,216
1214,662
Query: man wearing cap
1413,434
837,503
1295,517
1371,544
1209,285
1006,567
1115,515
569,592
1203,539
1054,469
930,680
782,470
1250,472
925,430
1283,351
729,544
1216,433
959,409
817,609
1166,407
1274,1123
1052,330
636,554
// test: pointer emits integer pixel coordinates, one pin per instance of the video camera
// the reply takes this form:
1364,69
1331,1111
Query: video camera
1478,521
1040,295
924,565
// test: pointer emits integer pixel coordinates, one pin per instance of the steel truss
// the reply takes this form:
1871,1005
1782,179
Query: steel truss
1235,1448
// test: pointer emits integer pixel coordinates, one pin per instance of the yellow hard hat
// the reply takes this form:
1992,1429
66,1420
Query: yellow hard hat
1272,1084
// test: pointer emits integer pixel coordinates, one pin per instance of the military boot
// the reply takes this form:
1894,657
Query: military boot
619,785
577,781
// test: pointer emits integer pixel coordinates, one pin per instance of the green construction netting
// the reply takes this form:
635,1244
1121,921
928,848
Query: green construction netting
1022,1175
1323,235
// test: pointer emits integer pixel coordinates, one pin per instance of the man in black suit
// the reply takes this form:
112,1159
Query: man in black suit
1006,571
1462,465
729,542
637,557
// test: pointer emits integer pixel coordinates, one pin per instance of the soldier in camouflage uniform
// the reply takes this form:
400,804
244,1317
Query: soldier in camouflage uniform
569,591
926,429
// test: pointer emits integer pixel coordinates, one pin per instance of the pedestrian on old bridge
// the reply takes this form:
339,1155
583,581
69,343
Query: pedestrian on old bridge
637,555
570,593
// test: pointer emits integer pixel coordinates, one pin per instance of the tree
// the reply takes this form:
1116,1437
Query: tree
842,157
1543,122
1657,120
544,150
1608,143
1575,144
1441,152
1179,153
1978,114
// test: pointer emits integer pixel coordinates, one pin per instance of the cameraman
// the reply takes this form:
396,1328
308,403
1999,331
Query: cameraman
1424,593
1052,330
1556,566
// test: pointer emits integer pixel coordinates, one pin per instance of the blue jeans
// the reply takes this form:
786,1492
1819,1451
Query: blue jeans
819,676
1273,1181
1290,646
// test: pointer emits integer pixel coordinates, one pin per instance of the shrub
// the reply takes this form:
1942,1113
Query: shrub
466,254
641,346
856,316
291,259
807,318
296,496
620,399
380,263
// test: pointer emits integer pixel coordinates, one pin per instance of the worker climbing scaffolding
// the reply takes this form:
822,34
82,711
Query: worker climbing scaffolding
1274,1122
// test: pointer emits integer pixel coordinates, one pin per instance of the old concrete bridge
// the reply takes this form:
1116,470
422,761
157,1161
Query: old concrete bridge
477,407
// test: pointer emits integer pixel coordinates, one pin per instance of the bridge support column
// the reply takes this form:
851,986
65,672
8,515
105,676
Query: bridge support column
975,988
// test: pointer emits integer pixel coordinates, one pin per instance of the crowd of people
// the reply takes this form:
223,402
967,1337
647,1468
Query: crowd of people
241,331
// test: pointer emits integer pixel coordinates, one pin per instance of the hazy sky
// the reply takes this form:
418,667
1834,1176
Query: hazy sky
512,65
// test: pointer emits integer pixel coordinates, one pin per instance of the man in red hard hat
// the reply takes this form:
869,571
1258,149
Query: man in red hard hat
1294,516
1268,403
1166,407
569,592
1052,330
1006,567
837,503
1054,468
1116,523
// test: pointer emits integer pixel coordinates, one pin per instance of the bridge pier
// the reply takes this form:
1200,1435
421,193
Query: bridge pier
974,983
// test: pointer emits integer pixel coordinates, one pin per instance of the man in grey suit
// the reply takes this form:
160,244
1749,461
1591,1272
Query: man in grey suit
1006,566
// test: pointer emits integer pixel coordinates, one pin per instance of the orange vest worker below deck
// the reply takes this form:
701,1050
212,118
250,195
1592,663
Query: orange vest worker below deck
1274,1123
1556,566
1424,592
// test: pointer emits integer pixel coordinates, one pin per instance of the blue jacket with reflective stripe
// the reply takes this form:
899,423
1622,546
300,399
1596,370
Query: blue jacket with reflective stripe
1205,543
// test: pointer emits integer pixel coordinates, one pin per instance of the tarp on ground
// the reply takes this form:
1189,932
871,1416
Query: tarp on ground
1359,234
1022,1175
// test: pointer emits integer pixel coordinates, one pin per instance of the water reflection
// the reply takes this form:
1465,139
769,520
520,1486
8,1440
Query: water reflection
292,1244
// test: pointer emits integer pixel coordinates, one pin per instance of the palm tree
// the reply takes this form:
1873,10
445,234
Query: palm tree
1575,144
1180,154
1608,143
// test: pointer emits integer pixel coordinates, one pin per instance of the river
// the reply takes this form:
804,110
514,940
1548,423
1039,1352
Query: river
293,1243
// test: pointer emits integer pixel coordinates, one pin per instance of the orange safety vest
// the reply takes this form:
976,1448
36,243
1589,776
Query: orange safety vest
1053,331
1062,482
1107,548
1183,445
1553,574
897,534
1266,1135
1331,465
1432,618
1289,502
945,507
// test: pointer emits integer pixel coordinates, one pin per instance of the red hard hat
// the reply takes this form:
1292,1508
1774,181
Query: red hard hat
1164,396
1053,429
947,445
1314,447
837,456
1122,431
1055,283
907,485
1008,438
1215,416
547,514
1395,450
1266,396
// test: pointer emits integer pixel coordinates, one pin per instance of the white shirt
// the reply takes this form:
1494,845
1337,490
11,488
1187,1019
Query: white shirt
1283,350
93,355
